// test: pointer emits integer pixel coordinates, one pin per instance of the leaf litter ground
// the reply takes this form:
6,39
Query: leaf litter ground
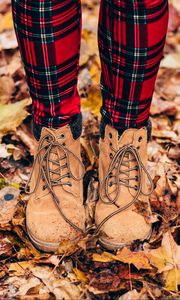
149,270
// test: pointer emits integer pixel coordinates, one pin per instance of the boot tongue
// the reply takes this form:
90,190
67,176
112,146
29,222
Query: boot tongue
57,154
126,138
131,136
64,140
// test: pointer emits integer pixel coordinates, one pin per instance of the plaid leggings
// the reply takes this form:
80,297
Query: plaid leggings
131,37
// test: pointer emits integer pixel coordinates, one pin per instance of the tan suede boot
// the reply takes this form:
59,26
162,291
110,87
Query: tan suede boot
55,209
123,188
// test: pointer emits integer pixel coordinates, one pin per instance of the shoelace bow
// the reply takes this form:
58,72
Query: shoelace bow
116,164
45,171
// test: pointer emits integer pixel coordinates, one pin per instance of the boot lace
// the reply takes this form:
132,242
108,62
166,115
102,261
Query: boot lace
47,146
122,158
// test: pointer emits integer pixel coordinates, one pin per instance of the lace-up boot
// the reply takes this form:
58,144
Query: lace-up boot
123,210
55,209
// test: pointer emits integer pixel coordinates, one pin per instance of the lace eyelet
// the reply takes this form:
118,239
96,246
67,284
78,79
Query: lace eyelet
62,136
136,188
110,135
64,144
138,147
44,187
110,144
70,184
140,139
136,178
110,184
111,155
49,138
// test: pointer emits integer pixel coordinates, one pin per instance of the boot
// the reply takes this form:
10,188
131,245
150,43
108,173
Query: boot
55,209
123,210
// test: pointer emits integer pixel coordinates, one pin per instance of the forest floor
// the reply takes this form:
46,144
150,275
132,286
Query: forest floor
149,270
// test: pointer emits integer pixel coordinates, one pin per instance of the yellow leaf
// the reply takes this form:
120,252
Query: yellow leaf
93,102
15,185
6,22
138,259
95,71
104,257
172,279
21,267
68,247
80,275
167,256
88,149
12,115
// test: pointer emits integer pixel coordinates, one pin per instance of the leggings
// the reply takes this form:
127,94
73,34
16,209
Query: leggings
131,38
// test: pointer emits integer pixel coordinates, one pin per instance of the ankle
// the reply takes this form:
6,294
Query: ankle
75,125
147,124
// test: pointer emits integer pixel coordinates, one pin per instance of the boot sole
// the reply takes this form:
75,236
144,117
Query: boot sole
112,246
43,246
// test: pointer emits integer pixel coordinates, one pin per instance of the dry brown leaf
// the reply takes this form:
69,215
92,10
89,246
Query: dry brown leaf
7,87
68,247
8,40
131,295
159,106
8,201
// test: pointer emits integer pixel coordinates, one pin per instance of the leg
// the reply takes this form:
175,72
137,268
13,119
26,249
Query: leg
48,34
131,40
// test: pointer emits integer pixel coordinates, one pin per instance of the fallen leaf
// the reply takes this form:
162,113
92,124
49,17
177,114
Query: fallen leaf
171,61
8,40
138,259
166,257
3,151
20,268
172,279
131,295
8,201
68,247
80,275
12,116
159,106
6,22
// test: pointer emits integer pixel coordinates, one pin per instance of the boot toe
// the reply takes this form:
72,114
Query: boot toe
122,229
47,228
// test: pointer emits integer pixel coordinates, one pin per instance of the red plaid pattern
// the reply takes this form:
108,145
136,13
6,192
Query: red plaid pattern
131,39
